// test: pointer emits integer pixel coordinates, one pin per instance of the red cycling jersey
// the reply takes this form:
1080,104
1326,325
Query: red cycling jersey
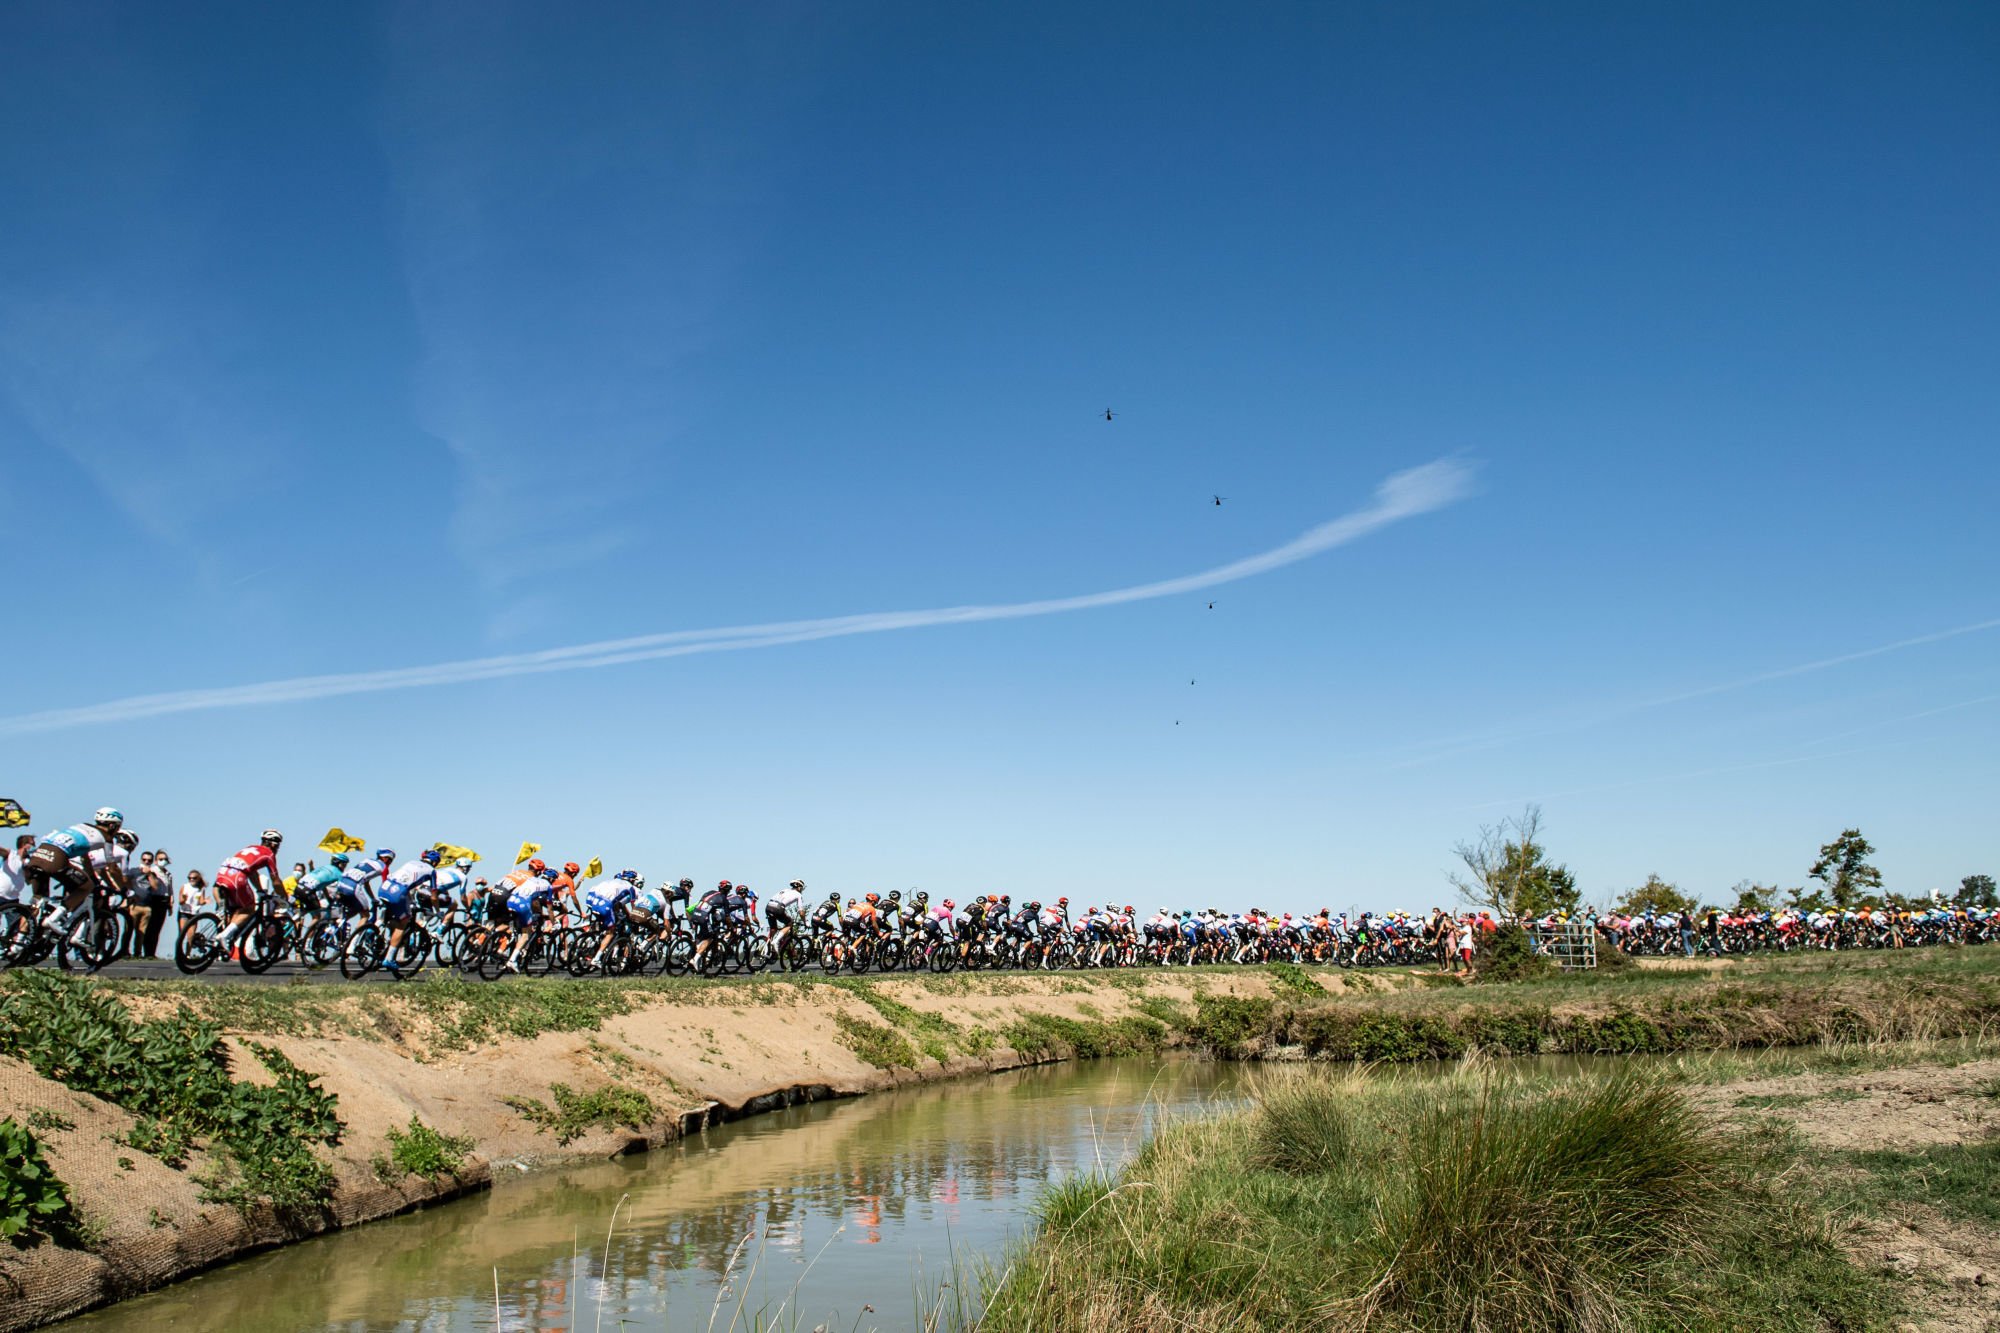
236,879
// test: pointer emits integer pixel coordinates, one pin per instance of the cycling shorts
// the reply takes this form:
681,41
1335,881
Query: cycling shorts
605,913
48,862
235,891
395,903
778,914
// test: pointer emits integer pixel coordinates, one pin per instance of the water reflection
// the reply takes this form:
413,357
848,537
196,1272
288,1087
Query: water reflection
819,1209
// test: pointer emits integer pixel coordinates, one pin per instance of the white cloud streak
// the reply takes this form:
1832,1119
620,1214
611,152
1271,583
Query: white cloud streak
1419,490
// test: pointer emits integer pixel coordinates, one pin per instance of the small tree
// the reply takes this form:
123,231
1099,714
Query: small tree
1508,872
1977,891
1843,867
1753,899
1799,900
1655,895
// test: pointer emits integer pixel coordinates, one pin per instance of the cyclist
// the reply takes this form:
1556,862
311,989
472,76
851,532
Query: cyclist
313,894
780,913
607,902
412,883
357,880
708,916
529,903
237,883
63,857
826,915
454,887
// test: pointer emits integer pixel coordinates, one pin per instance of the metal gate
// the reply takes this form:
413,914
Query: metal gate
1571,946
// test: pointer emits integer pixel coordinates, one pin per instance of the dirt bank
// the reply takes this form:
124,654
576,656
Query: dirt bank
695,1054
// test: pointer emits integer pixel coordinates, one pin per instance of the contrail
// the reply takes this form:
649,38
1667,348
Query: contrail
1449,749
1419,490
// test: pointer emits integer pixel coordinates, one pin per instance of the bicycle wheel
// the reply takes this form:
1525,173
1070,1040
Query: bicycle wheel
196,949
95,939
321,945
755,953
363,953
451,943
19,932
415,951
264,942
541,957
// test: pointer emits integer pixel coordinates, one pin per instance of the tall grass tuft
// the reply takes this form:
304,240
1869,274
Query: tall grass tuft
1540,1212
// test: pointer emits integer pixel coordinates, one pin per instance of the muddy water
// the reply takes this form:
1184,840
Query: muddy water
801,1218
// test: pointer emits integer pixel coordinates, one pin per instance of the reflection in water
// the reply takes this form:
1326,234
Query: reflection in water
829,1207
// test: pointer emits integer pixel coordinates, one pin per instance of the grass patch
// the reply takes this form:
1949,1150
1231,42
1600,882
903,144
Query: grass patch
1475,1202
876,1045
1960,1179
934,1036
1291,979
577,1113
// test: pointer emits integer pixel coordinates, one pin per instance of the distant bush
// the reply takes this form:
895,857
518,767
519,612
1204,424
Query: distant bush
1508,954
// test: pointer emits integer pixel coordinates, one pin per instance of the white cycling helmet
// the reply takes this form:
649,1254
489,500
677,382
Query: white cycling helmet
108,815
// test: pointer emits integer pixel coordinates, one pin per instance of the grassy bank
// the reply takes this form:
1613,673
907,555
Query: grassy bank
1939,993
1482,1201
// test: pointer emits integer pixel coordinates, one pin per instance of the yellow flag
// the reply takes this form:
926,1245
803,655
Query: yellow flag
528,849
339,840
11,814
595,868
453,853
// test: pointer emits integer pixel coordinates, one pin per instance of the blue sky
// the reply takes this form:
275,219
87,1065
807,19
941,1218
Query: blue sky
346,339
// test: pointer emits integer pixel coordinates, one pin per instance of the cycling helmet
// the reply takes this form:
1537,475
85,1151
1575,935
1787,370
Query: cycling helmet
127,838
627,873
895,895
1128,909
537,866
1034,906
384,855
108,817
874,898
1008,898
725,885
272,839
949,903
338,860
1062,902
833,897
687,883
923,896
638,880
572,868
462,863
430,856
799,884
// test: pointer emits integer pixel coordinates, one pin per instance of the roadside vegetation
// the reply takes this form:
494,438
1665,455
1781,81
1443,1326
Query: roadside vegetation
1483,1200
173,1075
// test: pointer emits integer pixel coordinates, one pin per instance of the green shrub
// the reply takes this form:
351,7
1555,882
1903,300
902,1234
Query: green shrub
34,1203
420,1150
1040,1036
576,1113
173,1075
1224,1023
1508,954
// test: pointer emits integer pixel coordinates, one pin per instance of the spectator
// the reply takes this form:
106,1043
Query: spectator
159,888
139,904
193,898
